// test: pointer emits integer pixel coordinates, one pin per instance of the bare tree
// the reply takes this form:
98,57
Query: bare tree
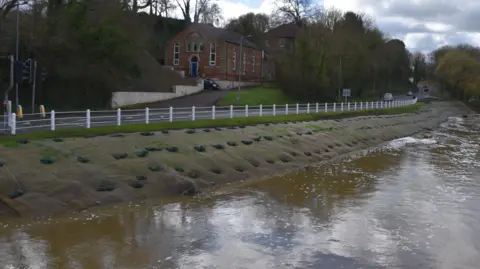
205,11
297,11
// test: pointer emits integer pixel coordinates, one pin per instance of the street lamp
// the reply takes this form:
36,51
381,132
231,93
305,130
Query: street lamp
240,67
340,78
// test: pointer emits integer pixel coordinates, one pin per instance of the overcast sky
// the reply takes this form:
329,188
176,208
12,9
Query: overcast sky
422,24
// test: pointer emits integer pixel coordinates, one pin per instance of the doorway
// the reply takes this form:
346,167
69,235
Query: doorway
194,66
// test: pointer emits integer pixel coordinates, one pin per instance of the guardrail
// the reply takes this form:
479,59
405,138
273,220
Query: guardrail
93,118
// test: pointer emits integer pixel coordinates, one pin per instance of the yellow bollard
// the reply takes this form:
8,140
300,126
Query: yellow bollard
19,112
42,111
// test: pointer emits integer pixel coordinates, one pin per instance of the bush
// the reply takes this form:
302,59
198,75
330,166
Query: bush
232,143
153,149
216,171
219,146
155,168
172,149
82,159
57,140
199,148
247,142
141,177
142,153
179,169
16,193
147,133
47,160
136,185
191,131
119,156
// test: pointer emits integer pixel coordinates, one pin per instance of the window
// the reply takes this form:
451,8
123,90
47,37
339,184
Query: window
253,64
176,53
234,61
281,42
244,61
194,46
213,54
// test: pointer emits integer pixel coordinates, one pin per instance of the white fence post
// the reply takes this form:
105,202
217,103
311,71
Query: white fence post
316,108
361,105
274,109
193,112
341,106
260,112
88,119
52,120
213,112
231,111
355,106
119,116
308,108
334,107
348,106
246,110
147,115
170,114
366,105
297,109
377,104
13,124
326,107
286,109
381,104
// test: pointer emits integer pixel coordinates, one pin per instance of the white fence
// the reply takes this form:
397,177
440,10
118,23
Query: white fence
92,118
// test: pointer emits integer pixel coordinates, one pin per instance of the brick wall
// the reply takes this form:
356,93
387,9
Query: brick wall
224,66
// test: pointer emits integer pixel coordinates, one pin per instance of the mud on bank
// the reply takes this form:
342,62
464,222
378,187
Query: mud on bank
51,177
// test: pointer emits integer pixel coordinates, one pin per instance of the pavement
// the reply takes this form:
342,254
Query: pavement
160,112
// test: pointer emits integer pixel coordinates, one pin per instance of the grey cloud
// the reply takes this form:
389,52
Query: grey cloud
462,15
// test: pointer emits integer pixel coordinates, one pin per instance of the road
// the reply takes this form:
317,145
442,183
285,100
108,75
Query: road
77,119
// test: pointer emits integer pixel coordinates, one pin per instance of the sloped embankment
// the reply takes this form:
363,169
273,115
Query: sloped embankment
78,173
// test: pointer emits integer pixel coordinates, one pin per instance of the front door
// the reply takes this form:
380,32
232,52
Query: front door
194,69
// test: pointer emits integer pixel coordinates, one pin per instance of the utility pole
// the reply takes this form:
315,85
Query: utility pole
17,45
239,70
34,84
240,67
6,102
340,80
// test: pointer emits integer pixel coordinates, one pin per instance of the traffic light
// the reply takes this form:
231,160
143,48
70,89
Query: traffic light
41,73
23,71
27,67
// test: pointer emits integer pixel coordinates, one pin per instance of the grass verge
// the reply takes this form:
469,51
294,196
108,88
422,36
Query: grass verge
134,128
265,95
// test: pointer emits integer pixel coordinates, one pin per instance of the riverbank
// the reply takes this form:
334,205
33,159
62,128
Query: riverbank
73,174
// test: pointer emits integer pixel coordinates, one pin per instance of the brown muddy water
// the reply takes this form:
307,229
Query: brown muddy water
411,203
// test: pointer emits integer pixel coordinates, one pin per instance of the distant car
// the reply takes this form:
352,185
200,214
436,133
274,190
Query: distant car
209,84
388,97
409,93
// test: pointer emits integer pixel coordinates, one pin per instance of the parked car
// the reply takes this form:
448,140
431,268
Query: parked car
388,97
210,84
409,93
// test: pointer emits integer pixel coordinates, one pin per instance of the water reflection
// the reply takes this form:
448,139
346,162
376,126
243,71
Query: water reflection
412,203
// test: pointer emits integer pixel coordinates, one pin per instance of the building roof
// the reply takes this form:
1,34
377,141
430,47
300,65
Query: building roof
212,32
289,30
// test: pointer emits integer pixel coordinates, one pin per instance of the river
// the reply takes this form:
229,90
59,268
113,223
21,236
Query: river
410,203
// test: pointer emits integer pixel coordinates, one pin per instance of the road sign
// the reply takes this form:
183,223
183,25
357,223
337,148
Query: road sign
347,92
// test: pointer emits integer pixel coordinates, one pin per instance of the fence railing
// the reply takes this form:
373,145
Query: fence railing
93,118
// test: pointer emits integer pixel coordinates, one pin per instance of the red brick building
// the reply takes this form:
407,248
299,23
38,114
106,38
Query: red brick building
204,50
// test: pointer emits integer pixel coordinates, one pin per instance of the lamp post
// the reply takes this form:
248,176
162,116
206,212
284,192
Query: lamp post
240,67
